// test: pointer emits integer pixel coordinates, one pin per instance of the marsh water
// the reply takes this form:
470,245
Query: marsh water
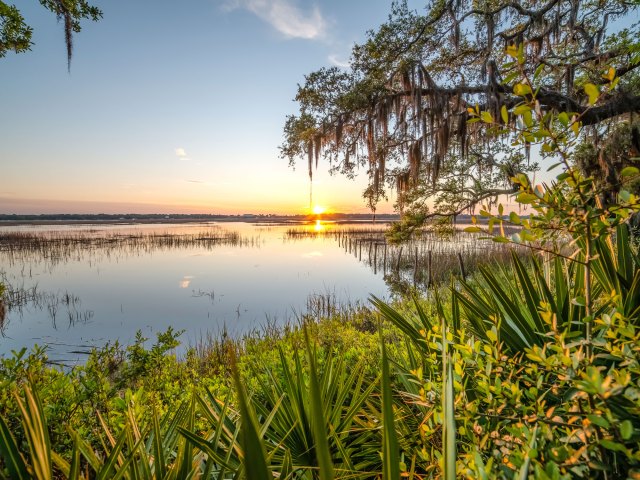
73,287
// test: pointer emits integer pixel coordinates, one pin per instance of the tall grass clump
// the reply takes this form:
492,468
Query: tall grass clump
54,247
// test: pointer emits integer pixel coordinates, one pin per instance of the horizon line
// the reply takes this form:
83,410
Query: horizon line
170,215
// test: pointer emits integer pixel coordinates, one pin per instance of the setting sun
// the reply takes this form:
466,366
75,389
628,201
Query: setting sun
318,210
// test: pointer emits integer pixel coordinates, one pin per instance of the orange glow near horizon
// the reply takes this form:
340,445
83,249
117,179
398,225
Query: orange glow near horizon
215,206
279,192
319,226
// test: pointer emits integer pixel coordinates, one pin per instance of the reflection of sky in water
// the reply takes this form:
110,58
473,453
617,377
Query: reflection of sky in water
193,288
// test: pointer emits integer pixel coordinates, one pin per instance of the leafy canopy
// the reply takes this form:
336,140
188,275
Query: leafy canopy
16,34
405,109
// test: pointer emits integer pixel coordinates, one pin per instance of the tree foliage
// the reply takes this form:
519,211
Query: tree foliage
402,110
16,34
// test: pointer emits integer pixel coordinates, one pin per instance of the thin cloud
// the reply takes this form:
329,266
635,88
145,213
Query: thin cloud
285,16
195,181
181,154
338,62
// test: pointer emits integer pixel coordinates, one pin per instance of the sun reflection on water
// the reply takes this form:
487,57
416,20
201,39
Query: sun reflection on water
319,226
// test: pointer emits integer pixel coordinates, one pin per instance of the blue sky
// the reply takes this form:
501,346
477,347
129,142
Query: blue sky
171,107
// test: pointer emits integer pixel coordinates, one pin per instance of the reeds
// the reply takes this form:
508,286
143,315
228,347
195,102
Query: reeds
428,259
56,246
425,261
59,305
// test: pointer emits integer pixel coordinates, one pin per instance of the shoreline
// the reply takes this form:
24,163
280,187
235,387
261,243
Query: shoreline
253,219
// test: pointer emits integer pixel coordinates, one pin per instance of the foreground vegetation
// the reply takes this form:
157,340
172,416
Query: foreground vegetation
513,387
531,371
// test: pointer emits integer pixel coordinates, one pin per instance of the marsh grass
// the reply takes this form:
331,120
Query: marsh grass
334,231
426,261
328,304
56,246
63,306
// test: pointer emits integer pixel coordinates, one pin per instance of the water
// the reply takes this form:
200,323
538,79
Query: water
197,277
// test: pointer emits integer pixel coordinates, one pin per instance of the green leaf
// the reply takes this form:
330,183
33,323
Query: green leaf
529,292
473,229
255,459
112,459
521,58
504,113
599,421
35,429
614,83
86,451
593,92
448,407
510,78
575,126
486,117
538,71
626,429
500,239
629,171
407,327
74,467
205,446
563,118
159,460
61,464
531,453
521,89
580,301
492,335
624,195
9,452
526,197
555,165
614,446
390,457
320,436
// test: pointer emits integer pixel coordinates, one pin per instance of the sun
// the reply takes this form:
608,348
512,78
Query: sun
318,210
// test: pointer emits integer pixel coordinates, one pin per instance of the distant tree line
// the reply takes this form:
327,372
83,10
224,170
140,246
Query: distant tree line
109,217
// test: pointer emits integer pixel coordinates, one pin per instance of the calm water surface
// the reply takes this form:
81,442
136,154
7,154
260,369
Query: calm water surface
89,294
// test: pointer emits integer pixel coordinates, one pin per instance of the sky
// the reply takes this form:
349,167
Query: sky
172,107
